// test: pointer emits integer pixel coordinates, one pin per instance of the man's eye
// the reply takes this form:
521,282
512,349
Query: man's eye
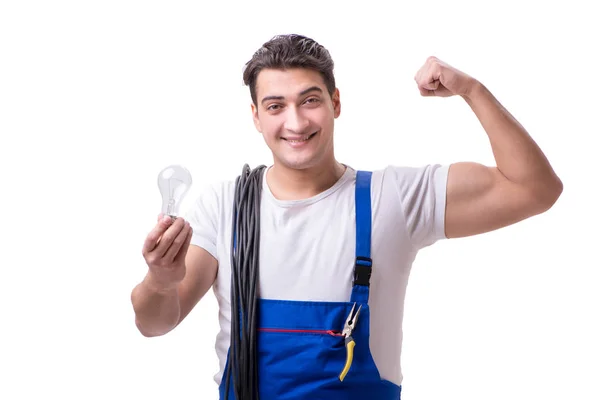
273,107
312,100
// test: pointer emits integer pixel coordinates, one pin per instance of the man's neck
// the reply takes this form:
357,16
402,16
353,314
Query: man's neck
292,184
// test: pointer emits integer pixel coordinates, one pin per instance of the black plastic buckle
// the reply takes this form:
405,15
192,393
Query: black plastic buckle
362,270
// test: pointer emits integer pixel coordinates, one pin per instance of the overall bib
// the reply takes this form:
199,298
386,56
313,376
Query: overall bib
301,349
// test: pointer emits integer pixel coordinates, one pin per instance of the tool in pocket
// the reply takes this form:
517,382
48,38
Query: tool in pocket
349,340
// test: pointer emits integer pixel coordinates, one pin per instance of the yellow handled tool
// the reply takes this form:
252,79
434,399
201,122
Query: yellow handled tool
347,333
349,356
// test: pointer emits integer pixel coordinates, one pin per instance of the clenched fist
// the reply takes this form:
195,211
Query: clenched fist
436,78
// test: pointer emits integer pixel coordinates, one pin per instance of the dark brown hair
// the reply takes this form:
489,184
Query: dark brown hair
290,51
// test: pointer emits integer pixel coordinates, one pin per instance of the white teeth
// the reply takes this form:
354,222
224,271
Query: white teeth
305,138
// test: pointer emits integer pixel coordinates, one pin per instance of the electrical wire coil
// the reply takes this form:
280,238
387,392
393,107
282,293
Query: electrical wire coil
245,244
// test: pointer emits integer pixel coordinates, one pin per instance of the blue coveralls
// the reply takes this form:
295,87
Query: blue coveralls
301,351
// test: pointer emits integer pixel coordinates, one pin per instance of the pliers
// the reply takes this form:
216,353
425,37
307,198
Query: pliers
349,340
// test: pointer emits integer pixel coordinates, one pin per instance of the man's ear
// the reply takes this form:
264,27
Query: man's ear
337,105
255,117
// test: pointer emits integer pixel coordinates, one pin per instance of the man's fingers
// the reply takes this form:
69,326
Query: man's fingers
428,77
153,237
425,92
177,243
433,85
167,238
180,257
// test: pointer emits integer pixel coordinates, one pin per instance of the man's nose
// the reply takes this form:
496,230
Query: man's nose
295,121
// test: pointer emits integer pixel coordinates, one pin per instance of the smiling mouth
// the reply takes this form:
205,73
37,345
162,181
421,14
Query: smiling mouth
300,140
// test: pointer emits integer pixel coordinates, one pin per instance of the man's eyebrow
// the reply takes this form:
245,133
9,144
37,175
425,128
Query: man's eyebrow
302,93
271,98
310,89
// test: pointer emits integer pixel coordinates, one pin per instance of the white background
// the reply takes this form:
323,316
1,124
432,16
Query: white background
97,97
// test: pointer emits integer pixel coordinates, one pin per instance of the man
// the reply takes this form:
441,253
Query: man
334,240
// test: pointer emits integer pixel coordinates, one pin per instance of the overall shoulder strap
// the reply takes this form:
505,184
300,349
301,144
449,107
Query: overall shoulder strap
363,262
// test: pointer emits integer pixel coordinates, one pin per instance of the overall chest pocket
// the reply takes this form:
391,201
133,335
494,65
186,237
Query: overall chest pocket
301,349
306,354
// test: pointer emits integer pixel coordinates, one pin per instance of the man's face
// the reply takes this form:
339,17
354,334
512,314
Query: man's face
295,114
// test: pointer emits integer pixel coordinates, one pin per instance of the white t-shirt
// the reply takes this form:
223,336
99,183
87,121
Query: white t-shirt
307,247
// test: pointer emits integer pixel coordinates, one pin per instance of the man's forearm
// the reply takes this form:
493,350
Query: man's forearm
517,156
156,309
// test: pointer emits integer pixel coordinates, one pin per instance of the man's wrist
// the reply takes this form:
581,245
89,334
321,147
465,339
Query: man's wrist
155,285
475,91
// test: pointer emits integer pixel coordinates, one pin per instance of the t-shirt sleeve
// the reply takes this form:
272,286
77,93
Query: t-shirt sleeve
422,195
203,218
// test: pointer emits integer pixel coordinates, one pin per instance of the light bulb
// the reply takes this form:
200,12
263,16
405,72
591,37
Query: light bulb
173,182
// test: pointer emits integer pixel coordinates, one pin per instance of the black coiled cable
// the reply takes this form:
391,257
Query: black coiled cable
243,366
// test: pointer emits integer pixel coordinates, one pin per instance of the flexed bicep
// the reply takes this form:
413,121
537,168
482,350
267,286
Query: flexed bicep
481,199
